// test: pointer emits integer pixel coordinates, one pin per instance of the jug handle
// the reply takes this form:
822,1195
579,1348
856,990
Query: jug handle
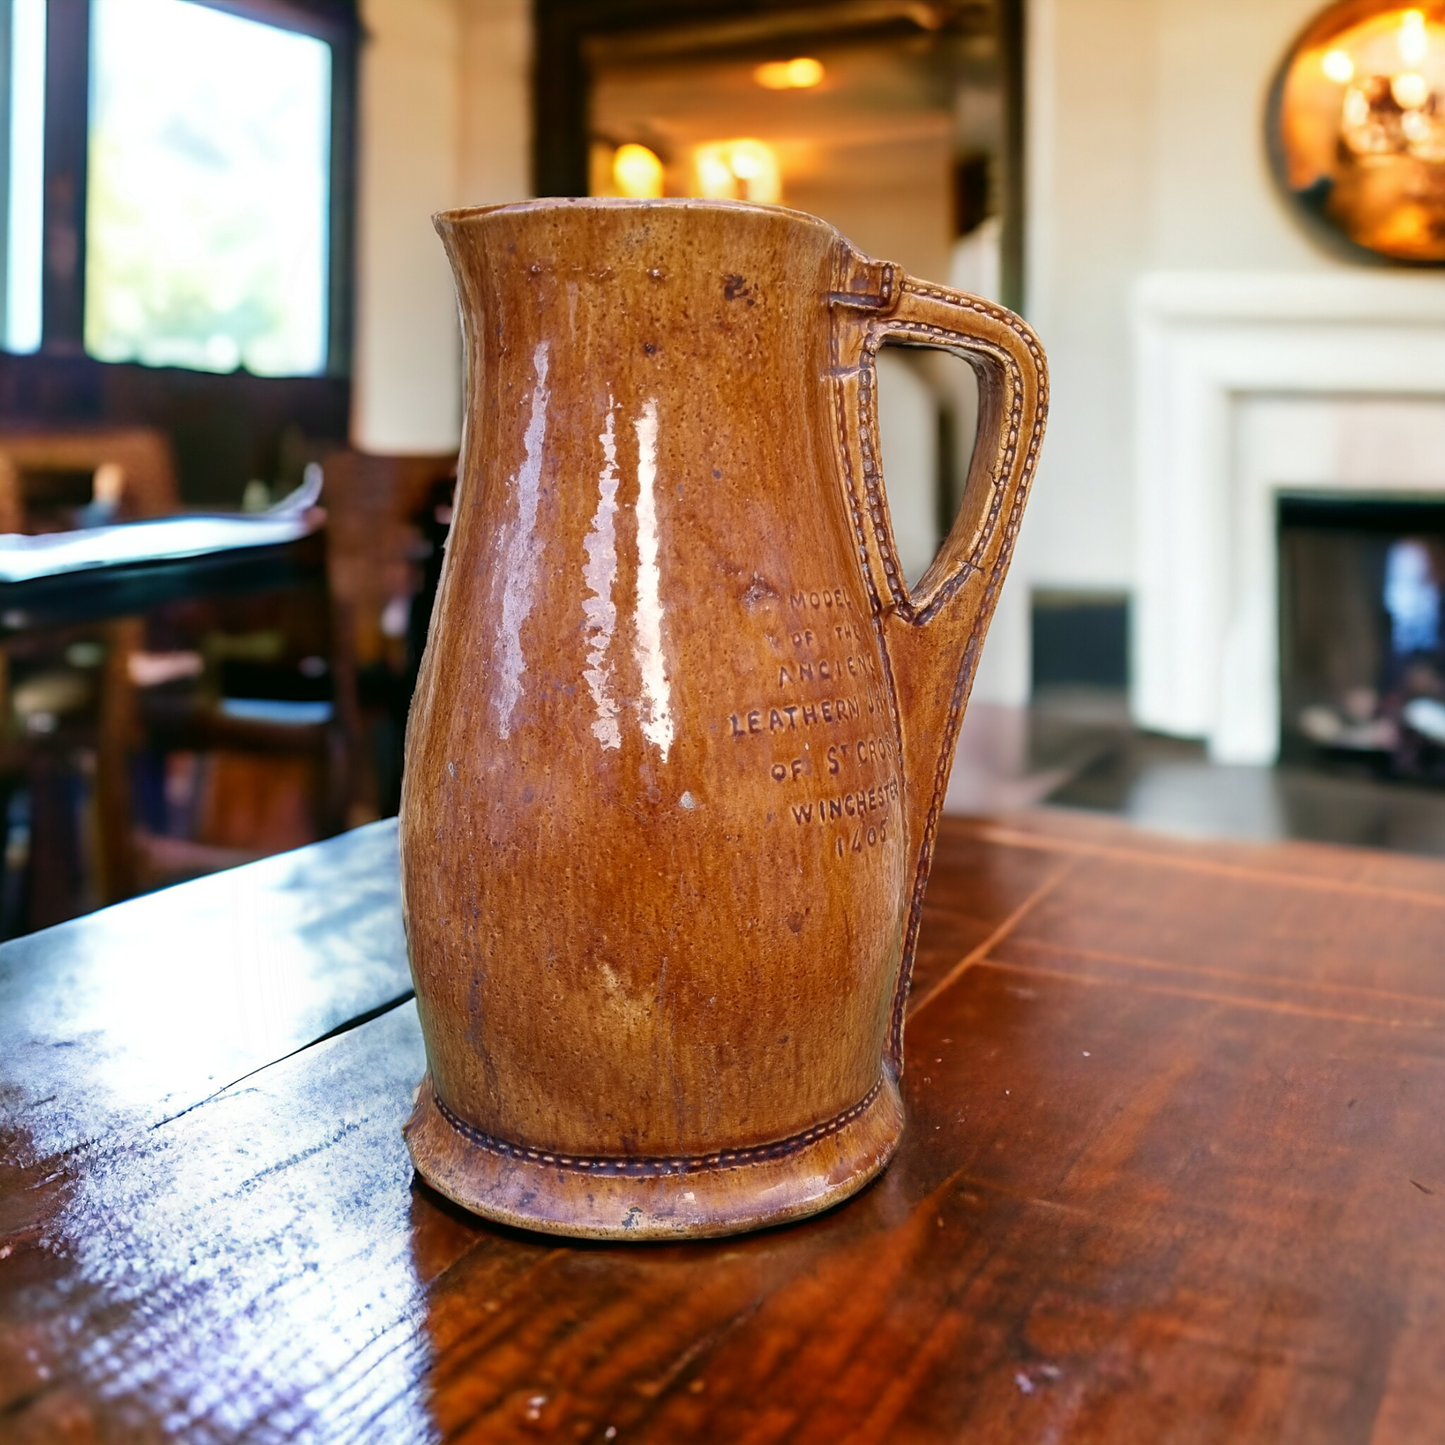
932,634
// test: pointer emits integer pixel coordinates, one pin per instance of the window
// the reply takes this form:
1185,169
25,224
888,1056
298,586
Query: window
22,153
175,189
208,190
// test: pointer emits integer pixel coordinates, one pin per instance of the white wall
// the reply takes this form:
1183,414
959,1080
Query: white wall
1145,152
908,438
444,122
494,158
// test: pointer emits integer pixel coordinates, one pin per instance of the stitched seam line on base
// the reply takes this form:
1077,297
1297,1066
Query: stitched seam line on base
621,1166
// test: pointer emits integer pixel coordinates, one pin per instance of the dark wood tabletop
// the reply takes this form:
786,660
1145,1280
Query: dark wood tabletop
1174,1171
128,588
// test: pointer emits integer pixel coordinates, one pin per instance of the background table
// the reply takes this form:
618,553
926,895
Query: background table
128,588
1174,1171
85,811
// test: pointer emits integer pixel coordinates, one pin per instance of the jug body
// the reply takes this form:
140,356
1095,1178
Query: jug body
656,845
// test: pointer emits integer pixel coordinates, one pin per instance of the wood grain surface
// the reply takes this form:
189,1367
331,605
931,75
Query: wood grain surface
1174,1170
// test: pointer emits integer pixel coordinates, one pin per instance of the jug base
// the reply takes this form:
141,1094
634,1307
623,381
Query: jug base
728,1192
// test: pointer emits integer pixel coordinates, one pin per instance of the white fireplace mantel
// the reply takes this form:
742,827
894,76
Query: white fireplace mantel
1247,385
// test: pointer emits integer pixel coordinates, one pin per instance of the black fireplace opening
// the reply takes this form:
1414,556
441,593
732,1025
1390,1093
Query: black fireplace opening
1361,645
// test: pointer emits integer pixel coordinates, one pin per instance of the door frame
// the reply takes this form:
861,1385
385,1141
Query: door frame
561,89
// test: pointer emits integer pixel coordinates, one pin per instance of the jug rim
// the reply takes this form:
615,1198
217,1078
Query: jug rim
457,215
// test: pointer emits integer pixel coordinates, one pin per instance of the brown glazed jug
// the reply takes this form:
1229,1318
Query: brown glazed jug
682,732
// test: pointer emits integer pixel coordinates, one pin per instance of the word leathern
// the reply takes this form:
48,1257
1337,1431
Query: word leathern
794,715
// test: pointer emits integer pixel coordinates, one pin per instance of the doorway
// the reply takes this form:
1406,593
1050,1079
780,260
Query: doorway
898,121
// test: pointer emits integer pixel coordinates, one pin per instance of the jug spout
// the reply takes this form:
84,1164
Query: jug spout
933,634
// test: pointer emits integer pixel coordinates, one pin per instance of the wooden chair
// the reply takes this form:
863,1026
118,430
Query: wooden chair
265,785
133,470
131,473
376,555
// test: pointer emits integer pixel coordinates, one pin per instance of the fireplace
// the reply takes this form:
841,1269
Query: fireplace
1250,387
1361,643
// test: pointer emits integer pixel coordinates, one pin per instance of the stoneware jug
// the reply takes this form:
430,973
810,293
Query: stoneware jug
682,732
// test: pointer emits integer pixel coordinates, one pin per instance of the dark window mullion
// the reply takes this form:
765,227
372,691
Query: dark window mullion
342,207
6,12
67,121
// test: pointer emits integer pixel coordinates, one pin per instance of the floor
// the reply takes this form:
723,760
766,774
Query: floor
1079,750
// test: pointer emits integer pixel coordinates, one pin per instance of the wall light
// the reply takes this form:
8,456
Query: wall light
637,173
800,74
730,170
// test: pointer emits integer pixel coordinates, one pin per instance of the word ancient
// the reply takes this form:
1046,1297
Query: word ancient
827,670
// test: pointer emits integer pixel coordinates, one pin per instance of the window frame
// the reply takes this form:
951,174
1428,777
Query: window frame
67,139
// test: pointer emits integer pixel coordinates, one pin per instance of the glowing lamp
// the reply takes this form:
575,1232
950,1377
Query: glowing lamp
637,172
743,169
1413,41
1410,89
803,73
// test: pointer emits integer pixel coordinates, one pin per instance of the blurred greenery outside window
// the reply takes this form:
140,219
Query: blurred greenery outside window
208,193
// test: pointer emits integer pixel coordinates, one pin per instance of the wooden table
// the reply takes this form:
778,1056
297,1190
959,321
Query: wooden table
1174,1171
80,838
126,589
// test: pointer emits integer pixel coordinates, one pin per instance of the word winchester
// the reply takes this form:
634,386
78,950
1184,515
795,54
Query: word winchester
858,804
